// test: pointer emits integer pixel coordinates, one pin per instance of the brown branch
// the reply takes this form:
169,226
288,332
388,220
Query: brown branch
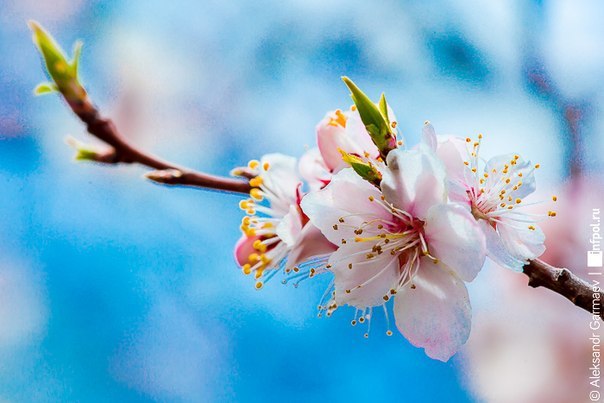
124,152
565,283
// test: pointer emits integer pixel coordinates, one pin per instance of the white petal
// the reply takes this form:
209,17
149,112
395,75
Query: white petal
496,250
377,275
414,181
436,314
429,136
452,153
519,241
455,238
282,180
290,226
521,167
347,197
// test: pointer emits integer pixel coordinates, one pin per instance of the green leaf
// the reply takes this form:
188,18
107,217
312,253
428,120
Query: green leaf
384,108
77,53
45,88
374,119
363,168
63,73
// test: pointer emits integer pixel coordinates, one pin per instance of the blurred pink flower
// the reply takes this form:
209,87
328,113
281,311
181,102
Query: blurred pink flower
281,237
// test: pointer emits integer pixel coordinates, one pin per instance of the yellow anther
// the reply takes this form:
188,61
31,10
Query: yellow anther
466,163
393,124
468,139
353,108
551,213
555,198
256,194
256,182
258,273
371,198
537,166
518,201
253,257
247,269
531,227
259,246
253,164
266,166
338,120
474,170
259,285
480,136
250,211
388,332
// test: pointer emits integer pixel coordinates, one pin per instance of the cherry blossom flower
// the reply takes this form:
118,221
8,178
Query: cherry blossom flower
494,192
404,242
276,233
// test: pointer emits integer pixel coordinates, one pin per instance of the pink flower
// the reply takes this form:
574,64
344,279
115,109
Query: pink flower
403,242
494,192
345,131
276,233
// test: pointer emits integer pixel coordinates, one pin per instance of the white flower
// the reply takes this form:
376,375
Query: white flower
494,192
276,233
404,242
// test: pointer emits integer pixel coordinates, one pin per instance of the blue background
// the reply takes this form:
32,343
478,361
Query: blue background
114,289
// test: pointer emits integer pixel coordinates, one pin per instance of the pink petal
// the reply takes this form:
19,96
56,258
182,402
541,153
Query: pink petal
454,237
436,314
243,248
310,243
346,197
377,276
330,139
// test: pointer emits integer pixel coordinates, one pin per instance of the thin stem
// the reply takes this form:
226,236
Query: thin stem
124,152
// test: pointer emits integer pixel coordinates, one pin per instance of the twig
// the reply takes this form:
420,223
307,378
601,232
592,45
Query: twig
565,283
124,152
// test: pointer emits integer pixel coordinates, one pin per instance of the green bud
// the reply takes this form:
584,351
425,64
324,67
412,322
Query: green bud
87,152
374,117
365,169
62,72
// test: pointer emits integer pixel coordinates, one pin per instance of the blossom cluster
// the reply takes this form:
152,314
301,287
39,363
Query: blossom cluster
389,221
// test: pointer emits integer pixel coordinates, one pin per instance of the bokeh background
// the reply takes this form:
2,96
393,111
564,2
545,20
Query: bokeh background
114,289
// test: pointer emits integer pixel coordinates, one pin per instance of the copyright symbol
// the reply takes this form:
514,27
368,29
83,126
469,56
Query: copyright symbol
594,395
